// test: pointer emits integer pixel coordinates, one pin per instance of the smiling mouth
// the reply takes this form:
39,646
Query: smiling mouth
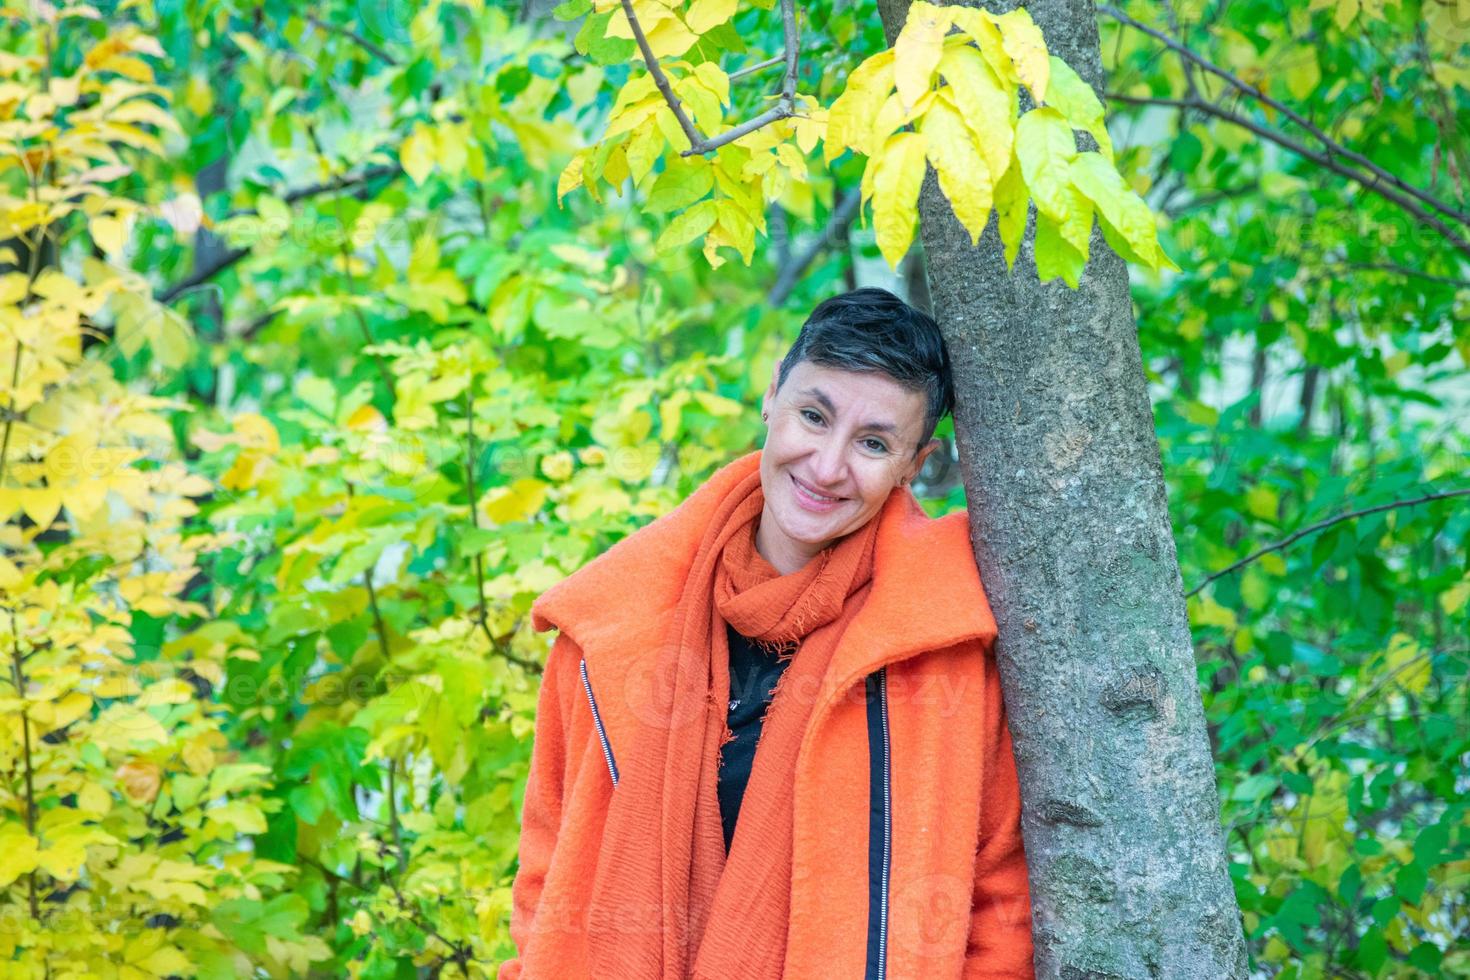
811,495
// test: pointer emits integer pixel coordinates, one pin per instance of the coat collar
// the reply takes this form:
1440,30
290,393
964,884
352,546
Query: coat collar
926,592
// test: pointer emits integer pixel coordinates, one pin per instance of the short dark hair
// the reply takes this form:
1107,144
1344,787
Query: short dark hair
871,329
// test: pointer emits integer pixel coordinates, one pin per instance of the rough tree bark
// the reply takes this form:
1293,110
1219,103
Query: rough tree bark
1073,540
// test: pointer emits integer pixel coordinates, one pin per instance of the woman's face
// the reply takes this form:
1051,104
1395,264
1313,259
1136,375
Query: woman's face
845,435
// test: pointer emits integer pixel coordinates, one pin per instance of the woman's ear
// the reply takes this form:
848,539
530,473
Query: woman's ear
770,395
929,447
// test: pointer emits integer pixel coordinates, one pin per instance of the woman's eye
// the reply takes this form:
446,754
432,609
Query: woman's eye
877,446
810,415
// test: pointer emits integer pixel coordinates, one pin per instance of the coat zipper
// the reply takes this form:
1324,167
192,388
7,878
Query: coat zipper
612,767
880,824
887,826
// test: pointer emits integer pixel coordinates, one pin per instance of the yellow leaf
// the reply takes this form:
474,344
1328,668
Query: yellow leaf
1303,74
917,49
896,183
718,405
1023,42
850,119
517,502
256,432
167,962
1045,148
123,726
1208,612
198,95
17,853
94,800
710,75
705,14
644,147
670,413
141,110
981,25
1262,501
1347,10
1405,662
109,232
634,115
963,176
599,494
665,32
1452,600
40,504
571,176
417,154
557,466
452,141
983,104
10,576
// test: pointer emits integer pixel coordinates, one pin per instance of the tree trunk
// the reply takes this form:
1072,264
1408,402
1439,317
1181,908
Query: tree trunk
1073,540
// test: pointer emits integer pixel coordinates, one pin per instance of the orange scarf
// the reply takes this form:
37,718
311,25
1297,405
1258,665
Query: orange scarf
666,903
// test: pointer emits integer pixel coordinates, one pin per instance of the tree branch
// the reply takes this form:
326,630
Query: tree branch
659,78
1323,160
842,216
227,259
1406,271
356,38
698,143
1332,147
1320,525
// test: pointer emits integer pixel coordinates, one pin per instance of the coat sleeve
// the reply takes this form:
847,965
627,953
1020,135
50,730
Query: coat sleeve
999,946
545,786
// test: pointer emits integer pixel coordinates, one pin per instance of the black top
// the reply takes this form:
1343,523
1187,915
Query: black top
753,676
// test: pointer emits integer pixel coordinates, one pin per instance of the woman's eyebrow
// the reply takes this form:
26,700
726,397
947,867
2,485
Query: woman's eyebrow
821,397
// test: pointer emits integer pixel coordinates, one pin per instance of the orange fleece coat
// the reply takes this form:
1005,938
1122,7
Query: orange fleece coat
958,900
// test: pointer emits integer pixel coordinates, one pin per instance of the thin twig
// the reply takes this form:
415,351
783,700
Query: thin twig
355,38
758,66
1405,271
1332,146
1320,525
1323,160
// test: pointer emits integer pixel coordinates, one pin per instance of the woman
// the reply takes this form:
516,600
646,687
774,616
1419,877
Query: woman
680,818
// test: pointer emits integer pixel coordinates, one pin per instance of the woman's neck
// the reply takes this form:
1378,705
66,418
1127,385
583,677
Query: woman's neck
785,555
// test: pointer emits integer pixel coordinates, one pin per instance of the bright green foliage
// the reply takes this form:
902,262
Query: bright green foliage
315,385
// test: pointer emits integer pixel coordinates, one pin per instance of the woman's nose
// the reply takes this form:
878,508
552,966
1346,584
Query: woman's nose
829,463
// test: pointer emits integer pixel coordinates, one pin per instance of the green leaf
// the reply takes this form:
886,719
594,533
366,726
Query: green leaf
1078,103
1055,256
1410,881
1118,205
1045,148
680,185
687,226
592,40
